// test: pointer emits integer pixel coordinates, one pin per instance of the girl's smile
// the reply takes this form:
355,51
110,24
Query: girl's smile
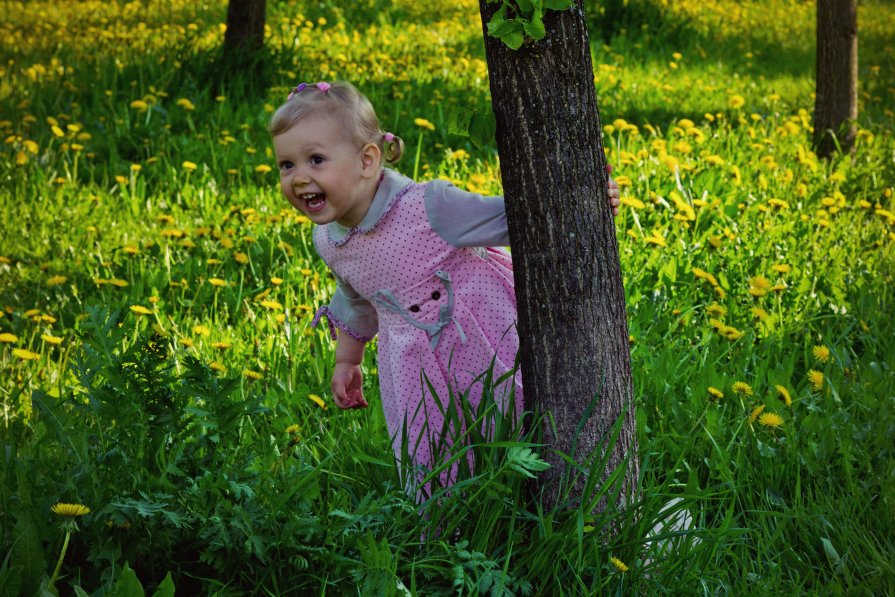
325,175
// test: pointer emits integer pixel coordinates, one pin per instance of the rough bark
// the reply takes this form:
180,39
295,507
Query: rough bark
572,322
836,101
245,26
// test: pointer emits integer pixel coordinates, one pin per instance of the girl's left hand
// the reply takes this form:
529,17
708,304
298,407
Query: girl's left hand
613,192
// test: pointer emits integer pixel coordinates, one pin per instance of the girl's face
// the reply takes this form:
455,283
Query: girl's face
323,174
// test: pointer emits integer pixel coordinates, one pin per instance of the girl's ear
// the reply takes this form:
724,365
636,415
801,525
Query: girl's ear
371,159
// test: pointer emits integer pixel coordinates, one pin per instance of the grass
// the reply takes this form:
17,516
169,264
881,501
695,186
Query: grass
156,293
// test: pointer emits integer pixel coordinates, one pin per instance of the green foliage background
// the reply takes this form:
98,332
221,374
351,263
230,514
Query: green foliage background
155,297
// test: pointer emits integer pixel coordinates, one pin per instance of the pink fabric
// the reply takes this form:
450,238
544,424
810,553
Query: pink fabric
401,254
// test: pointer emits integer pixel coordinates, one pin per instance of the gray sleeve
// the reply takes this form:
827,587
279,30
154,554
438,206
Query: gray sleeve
350,313
465,219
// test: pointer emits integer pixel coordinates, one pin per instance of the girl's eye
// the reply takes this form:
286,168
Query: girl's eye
317,159
285,165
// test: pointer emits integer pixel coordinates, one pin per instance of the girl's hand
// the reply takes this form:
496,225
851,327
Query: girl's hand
613,192
346,385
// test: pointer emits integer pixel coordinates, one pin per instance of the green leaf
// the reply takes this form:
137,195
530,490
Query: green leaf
128,585
166,588
535,28
27,554
458,121
509,31
668,273
482,127
558,4
525,6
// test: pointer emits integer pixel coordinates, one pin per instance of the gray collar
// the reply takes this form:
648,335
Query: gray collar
390,188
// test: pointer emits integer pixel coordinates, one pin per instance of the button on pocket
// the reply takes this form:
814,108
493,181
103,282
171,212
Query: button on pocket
414,308
436,295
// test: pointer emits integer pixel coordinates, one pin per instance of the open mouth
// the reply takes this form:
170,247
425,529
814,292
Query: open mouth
314,201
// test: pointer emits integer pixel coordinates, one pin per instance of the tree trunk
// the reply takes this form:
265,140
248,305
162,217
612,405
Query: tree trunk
836,101
245,26
572,324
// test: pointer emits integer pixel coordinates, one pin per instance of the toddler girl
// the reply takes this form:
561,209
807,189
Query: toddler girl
415,263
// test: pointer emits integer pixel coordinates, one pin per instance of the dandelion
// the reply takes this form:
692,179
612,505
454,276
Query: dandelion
241,258
140,310
25,355
49,339
222,345
736,101
201,330
742,388
816,379
784,393
755,412
186,342
619,565
70,510
272,305
317,400
293,429
781,268
821,353
56,280
716,310
139,105
759,313
262,169
217,282
424,124
216,366
8,338
276,281
186,104
716,393
189,166
252,374
771,420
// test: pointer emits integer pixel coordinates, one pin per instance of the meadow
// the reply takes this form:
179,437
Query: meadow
166,417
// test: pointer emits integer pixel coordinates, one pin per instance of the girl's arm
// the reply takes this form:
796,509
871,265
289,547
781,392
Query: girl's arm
347,381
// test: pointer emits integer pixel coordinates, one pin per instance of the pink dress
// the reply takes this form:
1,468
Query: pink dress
442,312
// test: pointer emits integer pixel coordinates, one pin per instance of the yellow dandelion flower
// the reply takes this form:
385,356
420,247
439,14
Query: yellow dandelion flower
760,282
140,310
716,310
139,105
117,282
742,388
619,565
759,313
784,393
222,345
716,393
424,124
201,330
262,169
130,249
252,374
56,280
273,305
217,282
781,268
49,339
241,258
736,101
189,166
216,366
186,342
771,420
186,104
816,378
276,281
8,338
25,355
70,510
821,353
293,429
317,400
755,412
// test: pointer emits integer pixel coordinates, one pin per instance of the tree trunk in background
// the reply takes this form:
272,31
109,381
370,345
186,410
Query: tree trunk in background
836,102
245,26
572,322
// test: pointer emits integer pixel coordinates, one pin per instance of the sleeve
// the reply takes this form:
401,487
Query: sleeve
349,312
465,219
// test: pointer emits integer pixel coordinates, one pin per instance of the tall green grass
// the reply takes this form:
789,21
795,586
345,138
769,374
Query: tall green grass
156,294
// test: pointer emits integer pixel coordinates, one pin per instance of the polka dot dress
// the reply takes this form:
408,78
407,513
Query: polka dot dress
402,255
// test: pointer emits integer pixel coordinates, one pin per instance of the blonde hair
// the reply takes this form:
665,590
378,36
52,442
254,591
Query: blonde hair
346,105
